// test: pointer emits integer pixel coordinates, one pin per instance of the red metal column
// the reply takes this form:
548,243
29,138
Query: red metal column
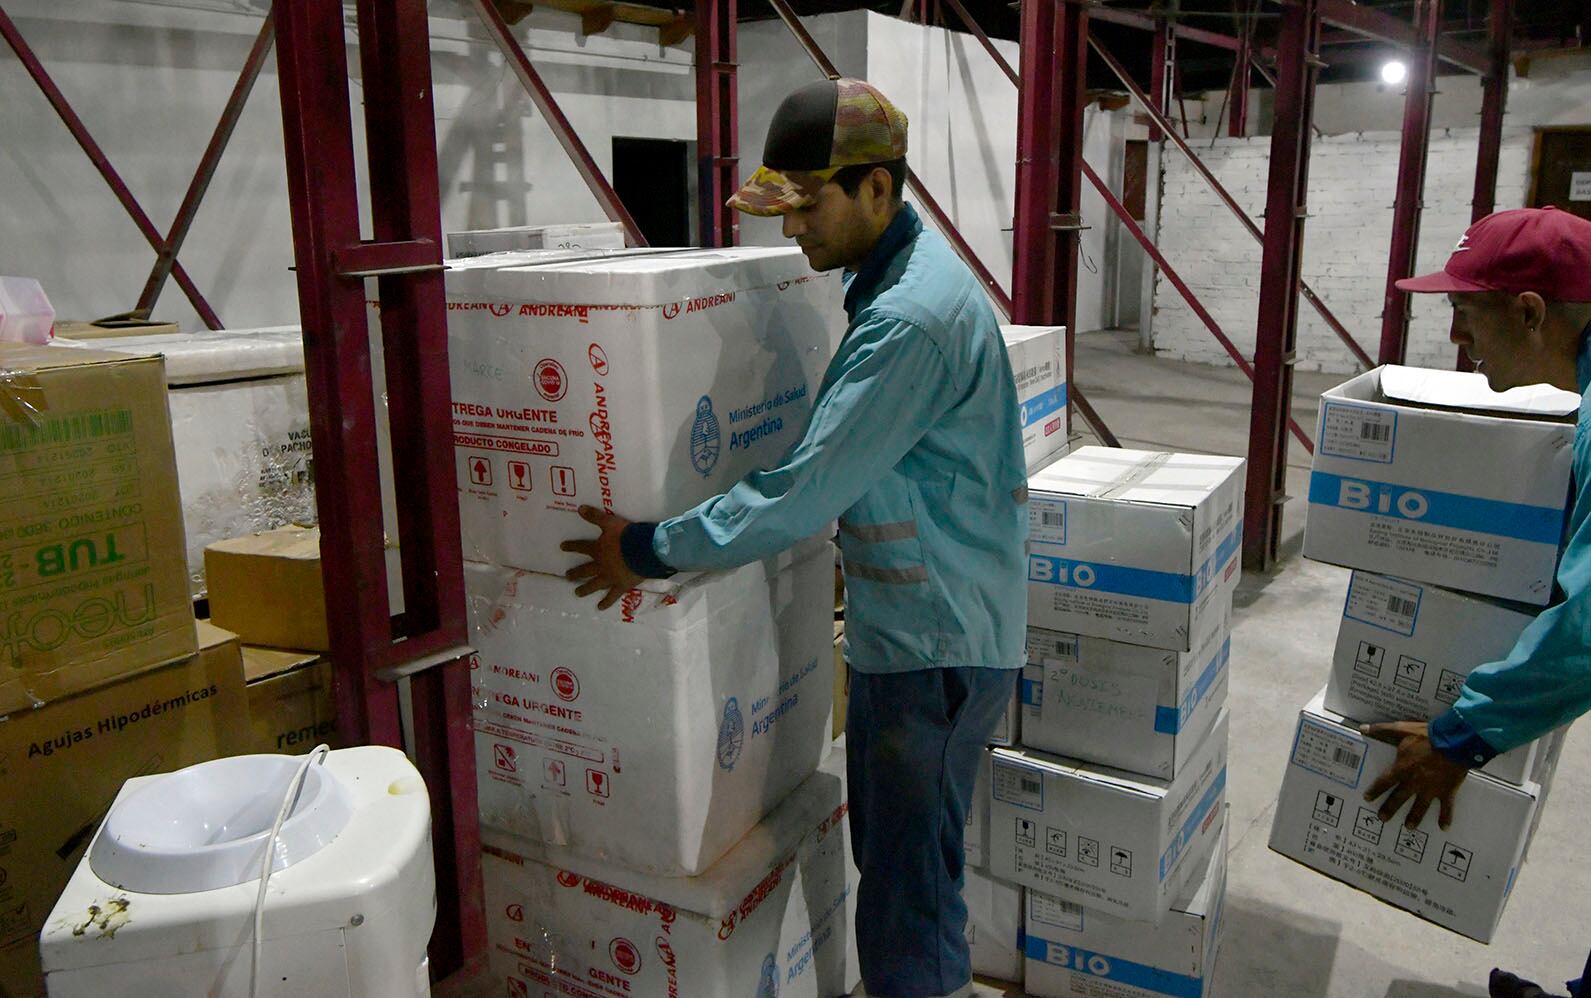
1237,114
1493,103
1277,323
717,121
368,654
1162,57
1411,182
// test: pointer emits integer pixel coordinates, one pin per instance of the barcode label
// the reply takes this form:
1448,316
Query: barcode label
1346,758
1359,434
1046,646
1054,911
1384,603
1047,520
1052,519
1018,785
74,428
1032,786
1330,751
1402,607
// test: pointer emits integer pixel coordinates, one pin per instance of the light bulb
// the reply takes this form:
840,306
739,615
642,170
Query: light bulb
1393,73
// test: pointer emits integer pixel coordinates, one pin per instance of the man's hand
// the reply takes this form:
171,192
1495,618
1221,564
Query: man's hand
1419,772
607,568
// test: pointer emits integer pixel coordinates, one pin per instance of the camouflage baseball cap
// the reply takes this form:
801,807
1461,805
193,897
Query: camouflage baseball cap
816,131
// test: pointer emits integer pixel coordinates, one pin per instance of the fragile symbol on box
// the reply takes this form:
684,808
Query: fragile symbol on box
1088,851
553,772
480,469
563,480
1411,844
1056,842
1368,661
1121,862
1449,685
1026,832
1369,826
503,756
1328,808
518,988
1455,862
519,476
597,783
1410,674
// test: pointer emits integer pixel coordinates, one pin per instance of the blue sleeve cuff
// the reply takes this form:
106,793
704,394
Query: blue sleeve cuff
635,543
1452,736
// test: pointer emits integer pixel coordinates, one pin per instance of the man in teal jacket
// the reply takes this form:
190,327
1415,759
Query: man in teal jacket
915,447
1520,285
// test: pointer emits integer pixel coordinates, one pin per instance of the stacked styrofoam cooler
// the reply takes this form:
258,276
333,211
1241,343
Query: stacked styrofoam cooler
1111,812
646,774
1447,500
569,236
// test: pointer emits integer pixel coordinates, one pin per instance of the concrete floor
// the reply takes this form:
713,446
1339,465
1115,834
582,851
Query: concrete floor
1291,931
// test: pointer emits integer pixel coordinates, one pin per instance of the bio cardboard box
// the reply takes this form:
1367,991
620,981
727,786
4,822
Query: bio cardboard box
657,734
572,236
994,926
1008,730
240,423
1104,838
644,383
291,706
93,582
1129,707
63,764
1459,878
1404,650
1074,952
1135,546
772,917
1405,481
1038,363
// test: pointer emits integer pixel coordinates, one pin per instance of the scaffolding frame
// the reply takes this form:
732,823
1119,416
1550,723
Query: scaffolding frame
427,644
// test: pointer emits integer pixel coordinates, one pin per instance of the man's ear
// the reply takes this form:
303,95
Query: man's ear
882,185
1534,308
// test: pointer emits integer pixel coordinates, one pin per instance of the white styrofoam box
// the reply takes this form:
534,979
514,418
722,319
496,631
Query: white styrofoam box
1406,484
1129,707
1135,546
640,383
1101,837
1404,650
579,235
977,830
1074,952
1459,878
1008,731
240,424
1038,363
994,926
656,734
771,918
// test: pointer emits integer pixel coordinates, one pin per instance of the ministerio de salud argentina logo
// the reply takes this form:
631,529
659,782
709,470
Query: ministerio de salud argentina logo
768,980
731,735
705,440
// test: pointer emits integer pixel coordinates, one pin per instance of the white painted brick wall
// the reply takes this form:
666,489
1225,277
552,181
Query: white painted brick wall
1346,238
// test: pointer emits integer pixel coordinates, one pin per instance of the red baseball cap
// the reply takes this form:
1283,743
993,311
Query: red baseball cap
1525,249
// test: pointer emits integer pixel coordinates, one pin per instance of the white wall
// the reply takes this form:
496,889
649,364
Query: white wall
149,81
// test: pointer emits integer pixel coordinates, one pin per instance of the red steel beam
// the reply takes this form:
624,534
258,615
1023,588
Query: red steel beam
983,39
717,120
167,255
1276,330
1372,23
1237,114
1162,60
1227,199
96,155
1144,22
562,130
1494,101
1410,184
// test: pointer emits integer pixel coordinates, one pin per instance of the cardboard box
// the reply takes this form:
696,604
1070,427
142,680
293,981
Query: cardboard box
994,926
1038,363
93,583
111,328
1135,546
291,705
1405,481
1008,731
976,835
240,422
773,917
267,589
641,383
1144,710
657,734
1404,650
1103,838
1073,952
62,765
572,236
1460,879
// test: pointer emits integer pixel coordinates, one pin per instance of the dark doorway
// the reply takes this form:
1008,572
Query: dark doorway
1563,170
652,178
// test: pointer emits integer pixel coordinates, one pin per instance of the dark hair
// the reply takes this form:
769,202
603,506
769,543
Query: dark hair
850,177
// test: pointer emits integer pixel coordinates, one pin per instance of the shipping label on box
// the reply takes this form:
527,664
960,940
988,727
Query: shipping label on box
1038,364
658,734
994,926
1403,487
1073,952
1404,650
772,918
62,766
1144,710
642,384
93,581
1135,546
1459,878
1104,838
